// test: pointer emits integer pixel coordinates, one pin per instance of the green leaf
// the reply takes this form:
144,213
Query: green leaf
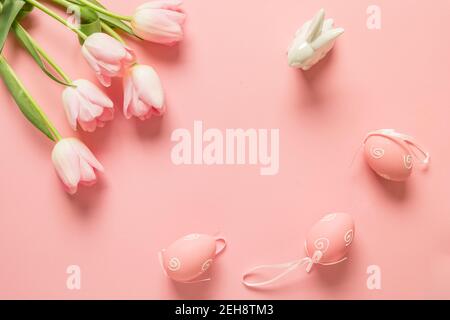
90,28
28,42
90,22
116,23
10,10
26,9
23,99
113,22
87,15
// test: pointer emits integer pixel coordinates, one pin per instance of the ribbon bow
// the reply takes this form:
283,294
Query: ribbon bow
288,268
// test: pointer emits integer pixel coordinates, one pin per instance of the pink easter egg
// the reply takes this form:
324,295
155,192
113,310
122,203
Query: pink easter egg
330,239
188,258
389,157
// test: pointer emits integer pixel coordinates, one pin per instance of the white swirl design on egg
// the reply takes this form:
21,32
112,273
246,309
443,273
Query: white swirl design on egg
407,160
206,265
329,217
377,153
322,244
174,264
348,238
193,236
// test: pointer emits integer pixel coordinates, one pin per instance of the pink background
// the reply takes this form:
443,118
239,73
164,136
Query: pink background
231,71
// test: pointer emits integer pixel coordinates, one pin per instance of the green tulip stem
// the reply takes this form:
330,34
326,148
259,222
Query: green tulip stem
104,11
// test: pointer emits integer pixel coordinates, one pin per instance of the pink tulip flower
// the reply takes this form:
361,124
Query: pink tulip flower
159,21
143,93
75,164
107,56
88,105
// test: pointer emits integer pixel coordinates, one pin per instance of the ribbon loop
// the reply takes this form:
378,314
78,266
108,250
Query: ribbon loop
288,268
161,262
223,245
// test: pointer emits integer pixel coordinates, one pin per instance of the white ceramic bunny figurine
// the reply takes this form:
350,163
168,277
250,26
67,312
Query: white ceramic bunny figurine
313,41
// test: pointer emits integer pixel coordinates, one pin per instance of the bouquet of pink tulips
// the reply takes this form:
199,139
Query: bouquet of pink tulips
85,105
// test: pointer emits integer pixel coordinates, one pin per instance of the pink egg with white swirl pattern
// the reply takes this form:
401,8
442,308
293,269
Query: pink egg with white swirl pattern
327,243
329,240
392,155
188,258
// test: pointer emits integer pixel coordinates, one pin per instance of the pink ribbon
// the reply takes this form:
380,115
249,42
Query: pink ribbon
288,267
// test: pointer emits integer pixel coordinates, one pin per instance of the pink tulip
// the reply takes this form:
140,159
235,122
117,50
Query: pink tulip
87,104
107,56
143,93
75,164
159,21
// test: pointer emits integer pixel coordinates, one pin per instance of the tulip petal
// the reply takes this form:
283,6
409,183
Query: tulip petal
148,86
67,165
158,111
104,80
127,95
161,4
159,25
71,106
87,173
89,111
141,110
88,126
90,60
107,56
130,57
92,93
157,22
146,116
108,69
93,63
107,115
105,48
175,16
86,154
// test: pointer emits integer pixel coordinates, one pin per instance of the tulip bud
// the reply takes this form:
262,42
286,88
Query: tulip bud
88,105
159,21
143,93
107,56
75,164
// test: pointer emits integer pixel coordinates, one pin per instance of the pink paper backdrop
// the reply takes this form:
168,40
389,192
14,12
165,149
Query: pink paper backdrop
231,72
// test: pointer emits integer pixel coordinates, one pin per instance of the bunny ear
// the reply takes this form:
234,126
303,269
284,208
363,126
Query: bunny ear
328,25
326,38
316,25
